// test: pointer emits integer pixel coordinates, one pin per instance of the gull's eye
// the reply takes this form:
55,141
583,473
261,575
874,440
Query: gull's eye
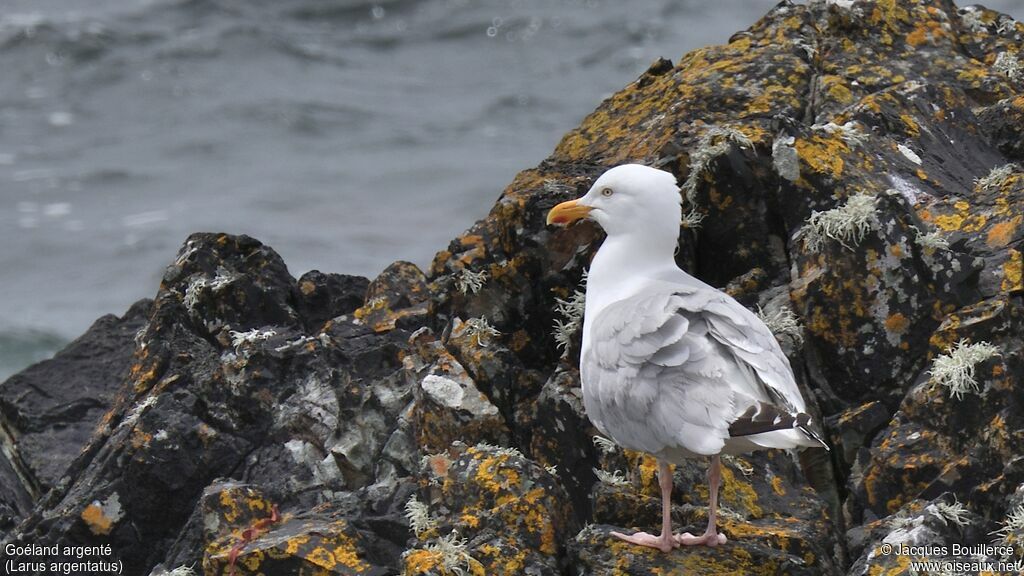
606,192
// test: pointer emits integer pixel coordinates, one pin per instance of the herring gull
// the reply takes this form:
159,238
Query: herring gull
669,365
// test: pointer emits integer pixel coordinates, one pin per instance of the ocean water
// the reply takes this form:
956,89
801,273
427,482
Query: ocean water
344,133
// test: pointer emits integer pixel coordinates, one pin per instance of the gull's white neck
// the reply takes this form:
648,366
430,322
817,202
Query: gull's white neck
621,268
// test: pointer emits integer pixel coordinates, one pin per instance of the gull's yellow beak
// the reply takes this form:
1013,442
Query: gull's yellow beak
567,212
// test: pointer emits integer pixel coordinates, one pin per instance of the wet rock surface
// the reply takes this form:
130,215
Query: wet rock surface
853,170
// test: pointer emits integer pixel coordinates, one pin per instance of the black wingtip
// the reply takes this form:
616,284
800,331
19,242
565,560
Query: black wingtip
813,436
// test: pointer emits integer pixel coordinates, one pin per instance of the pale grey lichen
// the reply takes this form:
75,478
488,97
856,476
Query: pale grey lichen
848,132
933,240
240,339
809,49
996,177
605,445
300,341
783,322
972,19
847,224
1013,523
785,158
481,330
222,279
376,302
1007,25
571,317
738,463
692,219
553,187
715,142
617,478
418,515
137,411
1010,66
955,513
553,469
499,450
469,281
955,369
452,554
898,522
193,291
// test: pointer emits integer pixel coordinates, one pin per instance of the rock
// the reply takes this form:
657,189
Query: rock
400,295
563,437
245,533
49,411
490,511
225,381
848,167
448,406
941,442
774,522
853,429
920,531
600,553
325,296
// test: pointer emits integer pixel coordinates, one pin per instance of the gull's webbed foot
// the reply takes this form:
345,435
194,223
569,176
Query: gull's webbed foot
665,542
710,539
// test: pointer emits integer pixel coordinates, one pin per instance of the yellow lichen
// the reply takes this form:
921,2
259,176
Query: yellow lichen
823,155
738,494
1013,278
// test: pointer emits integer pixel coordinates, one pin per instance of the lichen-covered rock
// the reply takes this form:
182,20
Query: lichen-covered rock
448,405
225,381
855,428
512,516
562,437
850,170
49,411
942,440
245,533
772,519
326,296
765,550
398,296
921,531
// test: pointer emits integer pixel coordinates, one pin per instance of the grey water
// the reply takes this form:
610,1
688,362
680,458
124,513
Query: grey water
346,134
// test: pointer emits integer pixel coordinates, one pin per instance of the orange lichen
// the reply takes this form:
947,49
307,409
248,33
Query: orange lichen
1001,233
98,522
897,323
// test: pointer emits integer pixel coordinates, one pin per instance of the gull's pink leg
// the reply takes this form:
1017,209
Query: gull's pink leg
666,541
711,537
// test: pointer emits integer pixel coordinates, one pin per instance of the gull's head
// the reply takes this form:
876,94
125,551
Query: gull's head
628,199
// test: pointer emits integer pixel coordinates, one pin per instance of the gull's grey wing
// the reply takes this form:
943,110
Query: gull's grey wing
653,379
676,367
780,404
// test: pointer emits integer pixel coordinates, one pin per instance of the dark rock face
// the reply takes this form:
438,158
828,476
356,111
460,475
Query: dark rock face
49,411
853,168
